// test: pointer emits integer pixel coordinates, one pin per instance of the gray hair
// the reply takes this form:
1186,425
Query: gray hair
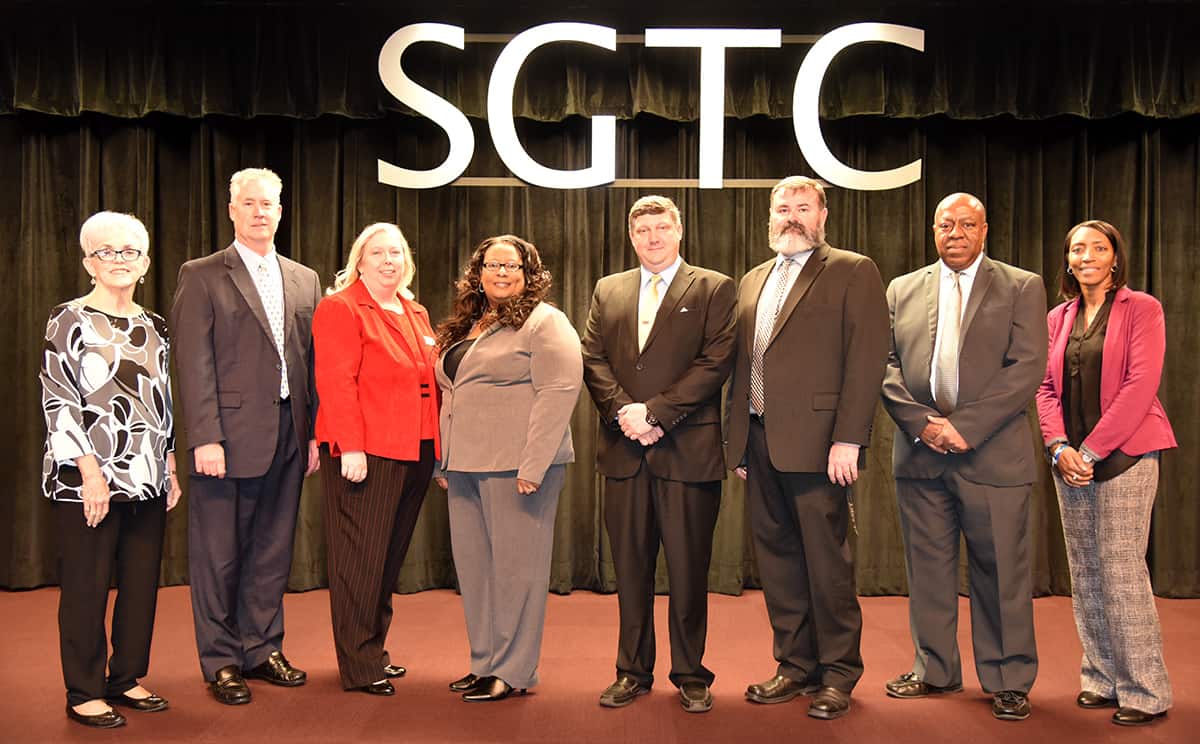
101,225
266,175
800,183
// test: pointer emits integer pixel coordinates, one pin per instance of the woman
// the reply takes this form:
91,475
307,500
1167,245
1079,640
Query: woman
1104,427
109,470
378,431
510,371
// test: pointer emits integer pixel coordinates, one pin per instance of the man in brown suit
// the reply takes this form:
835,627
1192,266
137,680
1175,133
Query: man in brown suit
968,353
656,352
811,347
242,319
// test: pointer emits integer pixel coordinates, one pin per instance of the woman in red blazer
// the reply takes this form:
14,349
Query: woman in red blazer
377,426
1104,428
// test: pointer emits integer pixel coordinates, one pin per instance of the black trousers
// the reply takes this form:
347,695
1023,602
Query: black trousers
240,534
368,527
638,513
129,538
800,523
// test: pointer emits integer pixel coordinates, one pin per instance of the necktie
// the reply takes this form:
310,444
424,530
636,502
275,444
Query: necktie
946,394
647,312
271,295
762,335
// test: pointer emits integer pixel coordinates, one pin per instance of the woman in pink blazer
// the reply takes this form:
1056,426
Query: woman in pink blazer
1104,428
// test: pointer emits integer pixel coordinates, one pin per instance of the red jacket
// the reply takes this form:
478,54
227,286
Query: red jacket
369,376
1132,420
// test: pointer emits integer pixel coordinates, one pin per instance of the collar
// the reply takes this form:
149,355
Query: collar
946,272
252,259
799,258
666,274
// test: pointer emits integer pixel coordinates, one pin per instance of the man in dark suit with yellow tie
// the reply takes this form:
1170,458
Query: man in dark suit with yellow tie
968,353
656,351
811,347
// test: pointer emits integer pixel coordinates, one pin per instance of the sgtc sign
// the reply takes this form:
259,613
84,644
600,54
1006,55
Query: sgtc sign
712,44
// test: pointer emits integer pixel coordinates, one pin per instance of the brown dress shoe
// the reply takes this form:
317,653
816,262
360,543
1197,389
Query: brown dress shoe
779,689
622,692
1135,717
229,687
278,671
829,703
1010,705
1088,699
909,685
695,697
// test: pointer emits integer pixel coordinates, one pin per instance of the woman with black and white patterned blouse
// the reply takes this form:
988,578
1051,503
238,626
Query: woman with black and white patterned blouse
109,469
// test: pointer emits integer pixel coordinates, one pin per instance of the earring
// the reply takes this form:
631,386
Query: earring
479,288
1114,268
142,279
92,280
1069,270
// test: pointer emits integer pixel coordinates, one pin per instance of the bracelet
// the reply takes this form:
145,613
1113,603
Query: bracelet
1057,452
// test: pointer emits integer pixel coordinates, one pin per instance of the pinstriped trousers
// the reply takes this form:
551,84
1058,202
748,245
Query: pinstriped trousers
368,527
502,543
1107,526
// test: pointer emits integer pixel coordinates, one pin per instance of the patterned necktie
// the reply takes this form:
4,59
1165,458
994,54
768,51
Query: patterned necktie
648,311
762,335
946,394
271,295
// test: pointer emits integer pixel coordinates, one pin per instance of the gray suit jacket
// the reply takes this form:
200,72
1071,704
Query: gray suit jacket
1002,359
509,406
227,363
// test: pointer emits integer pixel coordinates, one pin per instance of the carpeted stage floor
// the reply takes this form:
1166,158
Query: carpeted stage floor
577,663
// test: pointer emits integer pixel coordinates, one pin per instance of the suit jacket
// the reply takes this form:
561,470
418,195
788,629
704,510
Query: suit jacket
369,375
678,373
509,406
823,363
228,366
1132,419
1001,360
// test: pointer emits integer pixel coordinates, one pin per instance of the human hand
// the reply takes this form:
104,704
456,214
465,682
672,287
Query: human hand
1073,469
210,459
741,471
442,482
314,458
843,464
929,436
652,436
948,438
632,418
525,487
95,495
173,492
354,466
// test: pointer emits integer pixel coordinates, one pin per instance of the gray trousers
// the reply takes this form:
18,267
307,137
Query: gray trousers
502,542
1107,526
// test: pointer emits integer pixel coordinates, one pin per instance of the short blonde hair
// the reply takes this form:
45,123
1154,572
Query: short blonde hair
654,204
99,226
800,183
349,275
242,177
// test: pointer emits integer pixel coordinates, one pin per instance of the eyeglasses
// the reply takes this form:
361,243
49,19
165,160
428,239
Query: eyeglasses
495,266
108,255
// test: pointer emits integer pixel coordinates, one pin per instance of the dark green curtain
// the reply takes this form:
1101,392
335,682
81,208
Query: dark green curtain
1036,177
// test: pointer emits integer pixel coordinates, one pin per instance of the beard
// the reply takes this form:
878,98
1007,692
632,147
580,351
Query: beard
793,237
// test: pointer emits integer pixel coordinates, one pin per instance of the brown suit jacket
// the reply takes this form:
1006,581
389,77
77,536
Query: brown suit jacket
227,364
1002,359
823,366
678,374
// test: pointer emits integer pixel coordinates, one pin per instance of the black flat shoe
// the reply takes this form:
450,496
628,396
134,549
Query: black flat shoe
394,671
151,704
490,690
464,684
1135,717
107,719
1087,699
382,687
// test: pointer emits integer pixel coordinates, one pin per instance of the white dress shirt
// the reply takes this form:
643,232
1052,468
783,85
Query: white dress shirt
269,284
966,280
646,303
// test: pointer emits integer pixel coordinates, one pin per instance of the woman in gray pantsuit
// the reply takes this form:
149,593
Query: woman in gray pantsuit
510,370
1104,427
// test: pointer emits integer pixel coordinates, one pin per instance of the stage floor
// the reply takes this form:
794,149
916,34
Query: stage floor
428,637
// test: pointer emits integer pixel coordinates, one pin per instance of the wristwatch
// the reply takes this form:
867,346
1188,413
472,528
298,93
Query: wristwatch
650,419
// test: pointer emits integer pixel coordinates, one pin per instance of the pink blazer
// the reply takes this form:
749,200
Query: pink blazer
1132,419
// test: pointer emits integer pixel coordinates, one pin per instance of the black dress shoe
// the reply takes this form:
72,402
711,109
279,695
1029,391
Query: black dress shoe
622,692
107,719
1087,699
394,671
829,703
464,684
382,687
150,704
1135,717
278,671
1010,705
779,689
229,687
695,697
490,690
909,685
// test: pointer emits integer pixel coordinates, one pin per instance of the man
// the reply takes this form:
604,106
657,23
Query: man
968,353
243,346
811,346
656,352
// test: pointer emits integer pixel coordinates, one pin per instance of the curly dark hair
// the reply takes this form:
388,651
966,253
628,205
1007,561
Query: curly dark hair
470,304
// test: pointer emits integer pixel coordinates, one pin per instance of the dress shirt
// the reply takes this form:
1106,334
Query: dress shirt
272,281
966,280
764,308
666,275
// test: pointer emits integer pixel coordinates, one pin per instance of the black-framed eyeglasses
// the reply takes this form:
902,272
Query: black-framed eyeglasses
108,255
510,266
